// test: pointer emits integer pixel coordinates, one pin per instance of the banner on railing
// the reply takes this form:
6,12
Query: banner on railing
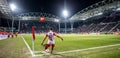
3,37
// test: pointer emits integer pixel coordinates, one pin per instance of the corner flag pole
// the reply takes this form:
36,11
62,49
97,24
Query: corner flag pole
33,35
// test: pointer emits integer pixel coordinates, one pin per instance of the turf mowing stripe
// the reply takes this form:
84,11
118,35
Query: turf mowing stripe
28,47
88,49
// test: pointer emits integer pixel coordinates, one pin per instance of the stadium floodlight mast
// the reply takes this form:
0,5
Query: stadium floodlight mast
13,8
65,13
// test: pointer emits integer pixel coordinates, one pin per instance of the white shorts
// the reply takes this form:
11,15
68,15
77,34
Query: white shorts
50,42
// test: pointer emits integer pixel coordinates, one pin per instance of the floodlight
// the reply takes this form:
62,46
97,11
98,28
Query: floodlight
100,13
13,7
84,19
65,13
56,20
118,8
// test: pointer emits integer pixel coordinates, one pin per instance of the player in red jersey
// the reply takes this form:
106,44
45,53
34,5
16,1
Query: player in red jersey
51,41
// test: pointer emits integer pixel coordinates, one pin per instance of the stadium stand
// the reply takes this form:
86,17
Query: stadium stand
104,18
101,17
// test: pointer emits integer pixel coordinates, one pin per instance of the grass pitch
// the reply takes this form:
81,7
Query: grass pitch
13,48
78,41
16,48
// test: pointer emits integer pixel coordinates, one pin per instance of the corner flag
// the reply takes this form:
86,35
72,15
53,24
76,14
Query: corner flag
33,32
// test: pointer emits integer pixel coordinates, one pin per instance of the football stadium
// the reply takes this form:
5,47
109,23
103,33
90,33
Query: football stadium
60,29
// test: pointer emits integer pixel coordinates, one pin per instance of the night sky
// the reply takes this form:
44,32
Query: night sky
54,7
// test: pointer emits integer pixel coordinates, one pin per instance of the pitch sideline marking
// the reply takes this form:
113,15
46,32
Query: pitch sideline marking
81,49
88,49
28,46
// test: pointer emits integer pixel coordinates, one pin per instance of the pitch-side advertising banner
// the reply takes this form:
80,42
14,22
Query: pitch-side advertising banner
3,37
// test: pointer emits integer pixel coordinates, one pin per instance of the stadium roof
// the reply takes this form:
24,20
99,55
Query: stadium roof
5,9
51,6
37,15
88,8
96,9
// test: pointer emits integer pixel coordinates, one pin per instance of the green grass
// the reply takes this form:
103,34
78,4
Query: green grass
111,52
75,41
16,48
13,48
78,41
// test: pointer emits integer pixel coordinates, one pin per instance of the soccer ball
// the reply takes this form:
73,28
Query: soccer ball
47,50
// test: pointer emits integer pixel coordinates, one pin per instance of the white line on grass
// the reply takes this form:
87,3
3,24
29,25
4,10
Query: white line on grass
79,50
88,49
28,47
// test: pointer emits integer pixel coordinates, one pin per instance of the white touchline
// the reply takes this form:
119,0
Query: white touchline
88,49
79,49
28,46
